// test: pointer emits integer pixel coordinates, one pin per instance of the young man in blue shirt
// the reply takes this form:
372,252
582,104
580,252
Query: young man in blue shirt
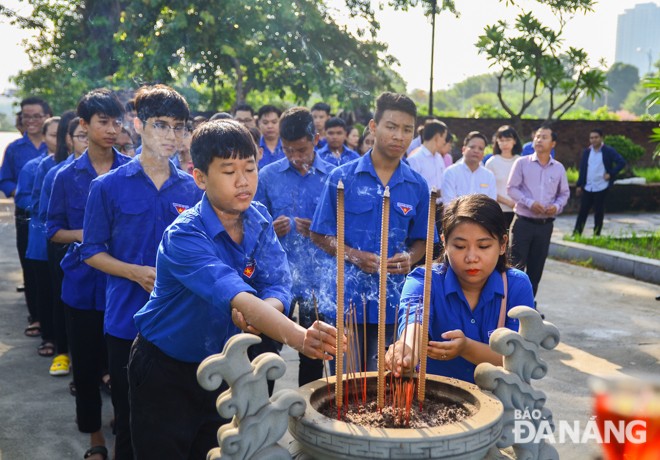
141,198
335,151
34,112
83,287
268,122
321,113
220,268
290,189
364,183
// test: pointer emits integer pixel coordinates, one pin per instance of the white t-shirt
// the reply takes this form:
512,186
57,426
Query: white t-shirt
596,172
460,180
431,166
501,168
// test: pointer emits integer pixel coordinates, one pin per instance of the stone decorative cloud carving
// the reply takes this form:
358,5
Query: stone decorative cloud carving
258,422
512,382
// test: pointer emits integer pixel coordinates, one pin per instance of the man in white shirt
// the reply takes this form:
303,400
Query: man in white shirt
427,159
469,176
599,166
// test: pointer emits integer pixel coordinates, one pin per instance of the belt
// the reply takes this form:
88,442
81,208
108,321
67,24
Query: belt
549,220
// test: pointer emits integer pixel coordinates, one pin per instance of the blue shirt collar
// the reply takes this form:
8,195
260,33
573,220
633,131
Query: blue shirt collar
83,162
402,172
253,221
134,166
318,164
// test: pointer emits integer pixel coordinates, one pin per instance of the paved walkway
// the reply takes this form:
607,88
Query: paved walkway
609,324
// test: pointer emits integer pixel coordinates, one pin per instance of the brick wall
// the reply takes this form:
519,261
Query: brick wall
573,135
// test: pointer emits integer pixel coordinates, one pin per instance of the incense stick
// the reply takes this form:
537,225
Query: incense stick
428,263
382,298
325,368
339,359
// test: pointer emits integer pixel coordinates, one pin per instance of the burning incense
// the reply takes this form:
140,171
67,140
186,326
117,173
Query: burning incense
339,359
423,350
382,297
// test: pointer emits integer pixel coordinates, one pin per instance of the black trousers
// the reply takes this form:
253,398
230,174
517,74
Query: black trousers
172,416
119,351
587,200
90,360
61,318
22,221
44,298
530,242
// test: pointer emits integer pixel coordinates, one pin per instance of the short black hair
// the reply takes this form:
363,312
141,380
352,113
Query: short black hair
396,102
266,109
37,101
547,126
296,123
472,134
160,101
335,122
509,133
221,139
48,122
221,116
100,101
321,106
431,128
597,131
479,209
62,149
244,108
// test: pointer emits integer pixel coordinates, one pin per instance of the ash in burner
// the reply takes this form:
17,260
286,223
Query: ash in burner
437,411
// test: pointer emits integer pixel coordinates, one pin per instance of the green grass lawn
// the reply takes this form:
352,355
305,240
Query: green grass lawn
652,175
638,245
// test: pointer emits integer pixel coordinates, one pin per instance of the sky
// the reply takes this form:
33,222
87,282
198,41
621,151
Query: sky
408,35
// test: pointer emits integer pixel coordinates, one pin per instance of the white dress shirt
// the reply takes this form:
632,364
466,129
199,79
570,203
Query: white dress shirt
431,166
459,180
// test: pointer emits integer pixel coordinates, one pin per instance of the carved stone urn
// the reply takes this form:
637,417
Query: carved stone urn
323,438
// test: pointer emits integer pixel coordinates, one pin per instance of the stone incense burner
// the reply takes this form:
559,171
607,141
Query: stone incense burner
259,422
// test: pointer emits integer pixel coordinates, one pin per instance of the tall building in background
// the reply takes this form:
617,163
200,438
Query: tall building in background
638,37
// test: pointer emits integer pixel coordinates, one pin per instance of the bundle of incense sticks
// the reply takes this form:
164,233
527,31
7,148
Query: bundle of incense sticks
339,359
428,264
382,296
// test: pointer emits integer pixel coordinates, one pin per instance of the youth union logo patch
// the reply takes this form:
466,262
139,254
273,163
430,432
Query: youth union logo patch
249,269
180,207
406,208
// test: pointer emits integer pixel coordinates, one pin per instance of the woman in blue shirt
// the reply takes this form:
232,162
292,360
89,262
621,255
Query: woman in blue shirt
467,290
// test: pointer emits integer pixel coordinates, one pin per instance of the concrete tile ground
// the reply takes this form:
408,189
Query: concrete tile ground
609,324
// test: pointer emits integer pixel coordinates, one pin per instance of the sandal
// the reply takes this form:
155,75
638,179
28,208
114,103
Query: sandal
46,349
60,365
33,330
106,385
97,450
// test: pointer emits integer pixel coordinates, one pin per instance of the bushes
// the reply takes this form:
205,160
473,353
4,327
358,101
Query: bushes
630,151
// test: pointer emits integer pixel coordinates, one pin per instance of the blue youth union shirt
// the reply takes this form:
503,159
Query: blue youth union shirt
199,270
126,216
37,241
346,155
363,202
285,192
450,310
270,156
23,197
16,155
83,287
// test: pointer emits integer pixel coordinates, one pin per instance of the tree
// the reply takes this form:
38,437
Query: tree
531,55
224,49
621,79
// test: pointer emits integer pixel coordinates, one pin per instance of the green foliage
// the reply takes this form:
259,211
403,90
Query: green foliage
652,175
223,50
638,245
621,79
602,113
487,111
627,148
572,175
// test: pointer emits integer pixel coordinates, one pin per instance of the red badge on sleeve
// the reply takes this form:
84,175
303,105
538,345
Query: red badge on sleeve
406,208
180,207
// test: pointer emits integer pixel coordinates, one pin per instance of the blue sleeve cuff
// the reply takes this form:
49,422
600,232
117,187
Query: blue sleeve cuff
88,250
224,293
280,295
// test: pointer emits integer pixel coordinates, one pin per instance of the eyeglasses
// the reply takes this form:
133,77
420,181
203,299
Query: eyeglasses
125,147
163,129
32,117
81,137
